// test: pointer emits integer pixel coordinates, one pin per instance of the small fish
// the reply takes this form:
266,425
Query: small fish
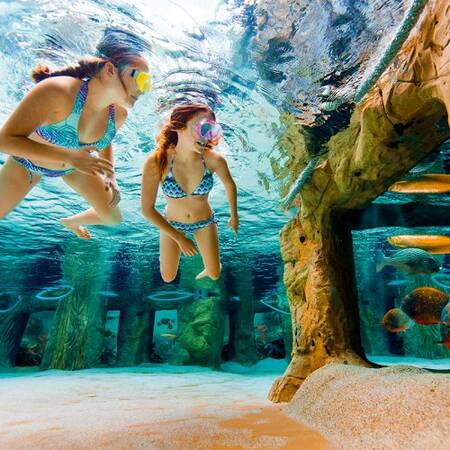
108,294
165,321
262,329
445,326
397,283
168,335
432,243
396,321
235,298
424,305
431,183
412,261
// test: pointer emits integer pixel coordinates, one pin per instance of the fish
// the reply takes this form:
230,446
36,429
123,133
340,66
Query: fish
235,298
445,326
424,305
168,335
166,321
412,261
397,283
262,329
431,183
108,294
433,243
396,321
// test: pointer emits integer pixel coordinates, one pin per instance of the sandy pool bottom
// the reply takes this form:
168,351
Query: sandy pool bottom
146,407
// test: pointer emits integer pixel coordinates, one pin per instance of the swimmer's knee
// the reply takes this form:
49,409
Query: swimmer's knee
168,274
168,277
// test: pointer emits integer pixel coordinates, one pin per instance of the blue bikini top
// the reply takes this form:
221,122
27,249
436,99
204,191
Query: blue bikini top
65,132
172,189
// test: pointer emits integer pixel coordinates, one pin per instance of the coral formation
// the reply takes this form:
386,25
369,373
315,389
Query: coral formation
401,120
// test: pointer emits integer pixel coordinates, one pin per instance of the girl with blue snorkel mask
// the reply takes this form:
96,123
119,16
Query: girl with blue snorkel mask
183,165
70,113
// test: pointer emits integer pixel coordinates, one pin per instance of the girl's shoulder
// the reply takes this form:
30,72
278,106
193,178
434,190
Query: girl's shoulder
55,95
213,159
63,86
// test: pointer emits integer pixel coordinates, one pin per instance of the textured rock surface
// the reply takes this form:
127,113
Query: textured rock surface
76,336
396,407
402,119
200,323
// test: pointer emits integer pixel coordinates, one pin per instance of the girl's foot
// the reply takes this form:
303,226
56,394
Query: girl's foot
80,231
203,273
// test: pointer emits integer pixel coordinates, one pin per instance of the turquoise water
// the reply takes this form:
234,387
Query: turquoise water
253,65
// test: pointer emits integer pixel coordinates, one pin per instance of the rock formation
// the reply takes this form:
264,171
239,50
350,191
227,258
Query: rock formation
401,120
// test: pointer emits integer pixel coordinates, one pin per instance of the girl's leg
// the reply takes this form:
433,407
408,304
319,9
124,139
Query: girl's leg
169,257
92,189
14,185
208,243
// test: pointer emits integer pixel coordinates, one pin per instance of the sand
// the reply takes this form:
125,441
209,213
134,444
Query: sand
166,407
400,407
148,407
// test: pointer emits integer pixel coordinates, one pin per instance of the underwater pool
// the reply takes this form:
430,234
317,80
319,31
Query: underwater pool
241,60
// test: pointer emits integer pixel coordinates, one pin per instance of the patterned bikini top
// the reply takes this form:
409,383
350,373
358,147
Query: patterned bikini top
172,189
65,132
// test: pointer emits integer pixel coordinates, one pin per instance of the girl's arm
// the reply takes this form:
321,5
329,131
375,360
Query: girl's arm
110,180
47,99
108,154
150,184
221,168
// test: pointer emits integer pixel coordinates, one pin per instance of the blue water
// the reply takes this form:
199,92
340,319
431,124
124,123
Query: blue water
253,64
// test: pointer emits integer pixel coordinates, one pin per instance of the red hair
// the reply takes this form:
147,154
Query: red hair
168,136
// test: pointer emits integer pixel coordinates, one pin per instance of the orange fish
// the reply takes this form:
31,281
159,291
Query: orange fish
424,305
431,183
169,335
431,243
396,321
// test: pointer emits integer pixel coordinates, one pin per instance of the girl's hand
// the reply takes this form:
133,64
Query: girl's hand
186,245
86,163
111,183
233,223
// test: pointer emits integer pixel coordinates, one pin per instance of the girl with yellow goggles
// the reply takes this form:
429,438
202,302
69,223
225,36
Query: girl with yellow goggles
143,80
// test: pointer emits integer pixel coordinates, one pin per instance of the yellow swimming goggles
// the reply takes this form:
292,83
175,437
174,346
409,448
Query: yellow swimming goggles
143,80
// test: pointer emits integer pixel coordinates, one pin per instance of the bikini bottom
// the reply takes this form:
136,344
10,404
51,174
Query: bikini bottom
32,168
191,227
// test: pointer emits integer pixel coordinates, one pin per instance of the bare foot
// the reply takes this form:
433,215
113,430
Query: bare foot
203,273
80,231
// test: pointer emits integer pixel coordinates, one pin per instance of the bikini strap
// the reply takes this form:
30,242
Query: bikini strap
112,113
81,98
171,162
